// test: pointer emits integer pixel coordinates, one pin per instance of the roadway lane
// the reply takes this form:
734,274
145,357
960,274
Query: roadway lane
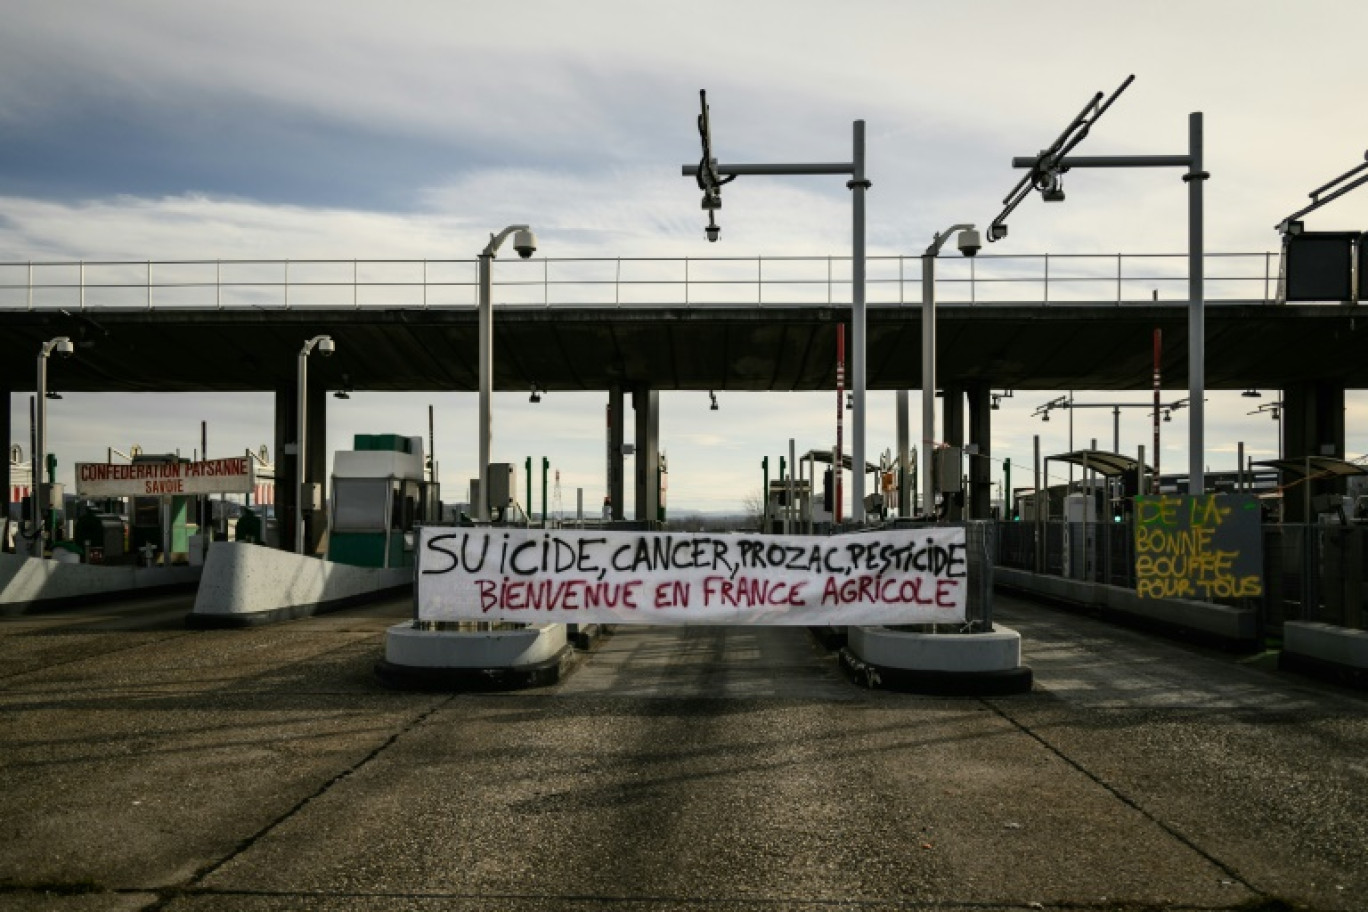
695,768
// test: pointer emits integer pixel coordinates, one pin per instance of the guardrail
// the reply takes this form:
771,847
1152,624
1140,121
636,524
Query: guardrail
986,280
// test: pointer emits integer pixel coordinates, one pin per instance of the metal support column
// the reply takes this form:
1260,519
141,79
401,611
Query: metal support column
1196,179
286,462
858,184
316,455
904,417
952,410
485,335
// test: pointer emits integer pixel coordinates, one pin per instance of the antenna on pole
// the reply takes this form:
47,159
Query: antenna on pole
1046,173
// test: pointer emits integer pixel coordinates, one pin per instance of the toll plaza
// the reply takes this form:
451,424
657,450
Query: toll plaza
1120,764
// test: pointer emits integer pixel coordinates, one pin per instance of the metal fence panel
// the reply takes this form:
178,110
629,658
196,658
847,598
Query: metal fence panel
1312,572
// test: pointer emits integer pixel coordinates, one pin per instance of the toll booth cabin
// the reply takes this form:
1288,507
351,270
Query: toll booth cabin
161,525
821,506
785,516
379,496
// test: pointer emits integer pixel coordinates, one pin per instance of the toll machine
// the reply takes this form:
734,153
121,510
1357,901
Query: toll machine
379,496
778,509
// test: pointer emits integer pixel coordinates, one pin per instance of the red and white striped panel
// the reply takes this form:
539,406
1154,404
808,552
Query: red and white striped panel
18,493
263,494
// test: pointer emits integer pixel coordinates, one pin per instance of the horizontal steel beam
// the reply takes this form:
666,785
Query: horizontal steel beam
778,169
1110,161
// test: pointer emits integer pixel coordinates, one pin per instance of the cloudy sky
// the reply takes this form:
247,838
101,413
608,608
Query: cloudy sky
341,130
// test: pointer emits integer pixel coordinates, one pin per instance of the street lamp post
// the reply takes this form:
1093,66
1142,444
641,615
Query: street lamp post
525,242
63,347
325,347
969,245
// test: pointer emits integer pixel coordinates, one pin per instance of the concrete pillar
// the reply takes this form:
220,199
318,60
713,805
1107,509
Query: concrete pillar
5,480
286,476
616,421
647,404
952,417
1312,425
286,463
980,465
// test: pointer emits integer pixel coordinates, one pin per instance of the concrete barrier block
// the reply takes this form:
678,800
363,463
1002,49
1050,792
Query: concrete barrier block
405,645
1224,623
28,583
425,659
246,583
999,650
1342,646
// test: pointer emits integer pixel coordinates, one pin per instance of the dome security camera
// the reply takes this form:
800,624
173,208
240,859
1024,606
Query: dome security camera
525,242
969,242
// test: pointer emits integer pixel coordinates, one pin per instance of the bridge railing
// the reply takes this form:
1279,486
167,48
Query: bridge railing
986,280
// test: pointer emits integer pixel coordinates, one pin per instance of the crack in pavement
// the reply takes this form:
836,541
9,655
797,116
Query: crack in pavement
166,895
1128,801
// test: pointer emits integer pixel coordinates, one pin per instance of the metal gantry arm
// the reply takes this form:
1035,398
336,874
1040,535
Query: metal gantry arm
1043,410
1054,161
711,176
710,181
1287,226
1156,409
1048,167
1064,402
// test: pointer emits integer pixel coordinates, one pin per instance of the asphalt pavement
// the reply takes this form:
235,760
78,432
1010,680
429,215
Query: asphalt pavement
147,766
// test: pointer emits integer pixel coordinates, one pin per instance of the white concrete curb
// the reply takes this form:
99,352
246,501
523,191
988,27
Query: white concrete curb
408,647
1235,626
30,582
245,583
1342,646
999,650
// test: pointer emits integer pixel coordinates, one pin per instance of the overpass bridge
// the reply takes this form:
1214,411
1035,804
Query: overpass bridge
638,326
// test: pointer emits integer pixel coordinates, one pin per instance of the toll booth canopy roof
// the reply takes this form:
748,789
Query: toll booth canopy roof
1102,462
824,457
1319,465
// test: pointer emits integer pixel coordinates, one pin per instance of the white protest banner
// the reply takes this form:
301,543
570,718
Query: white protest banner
154,479
908,576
